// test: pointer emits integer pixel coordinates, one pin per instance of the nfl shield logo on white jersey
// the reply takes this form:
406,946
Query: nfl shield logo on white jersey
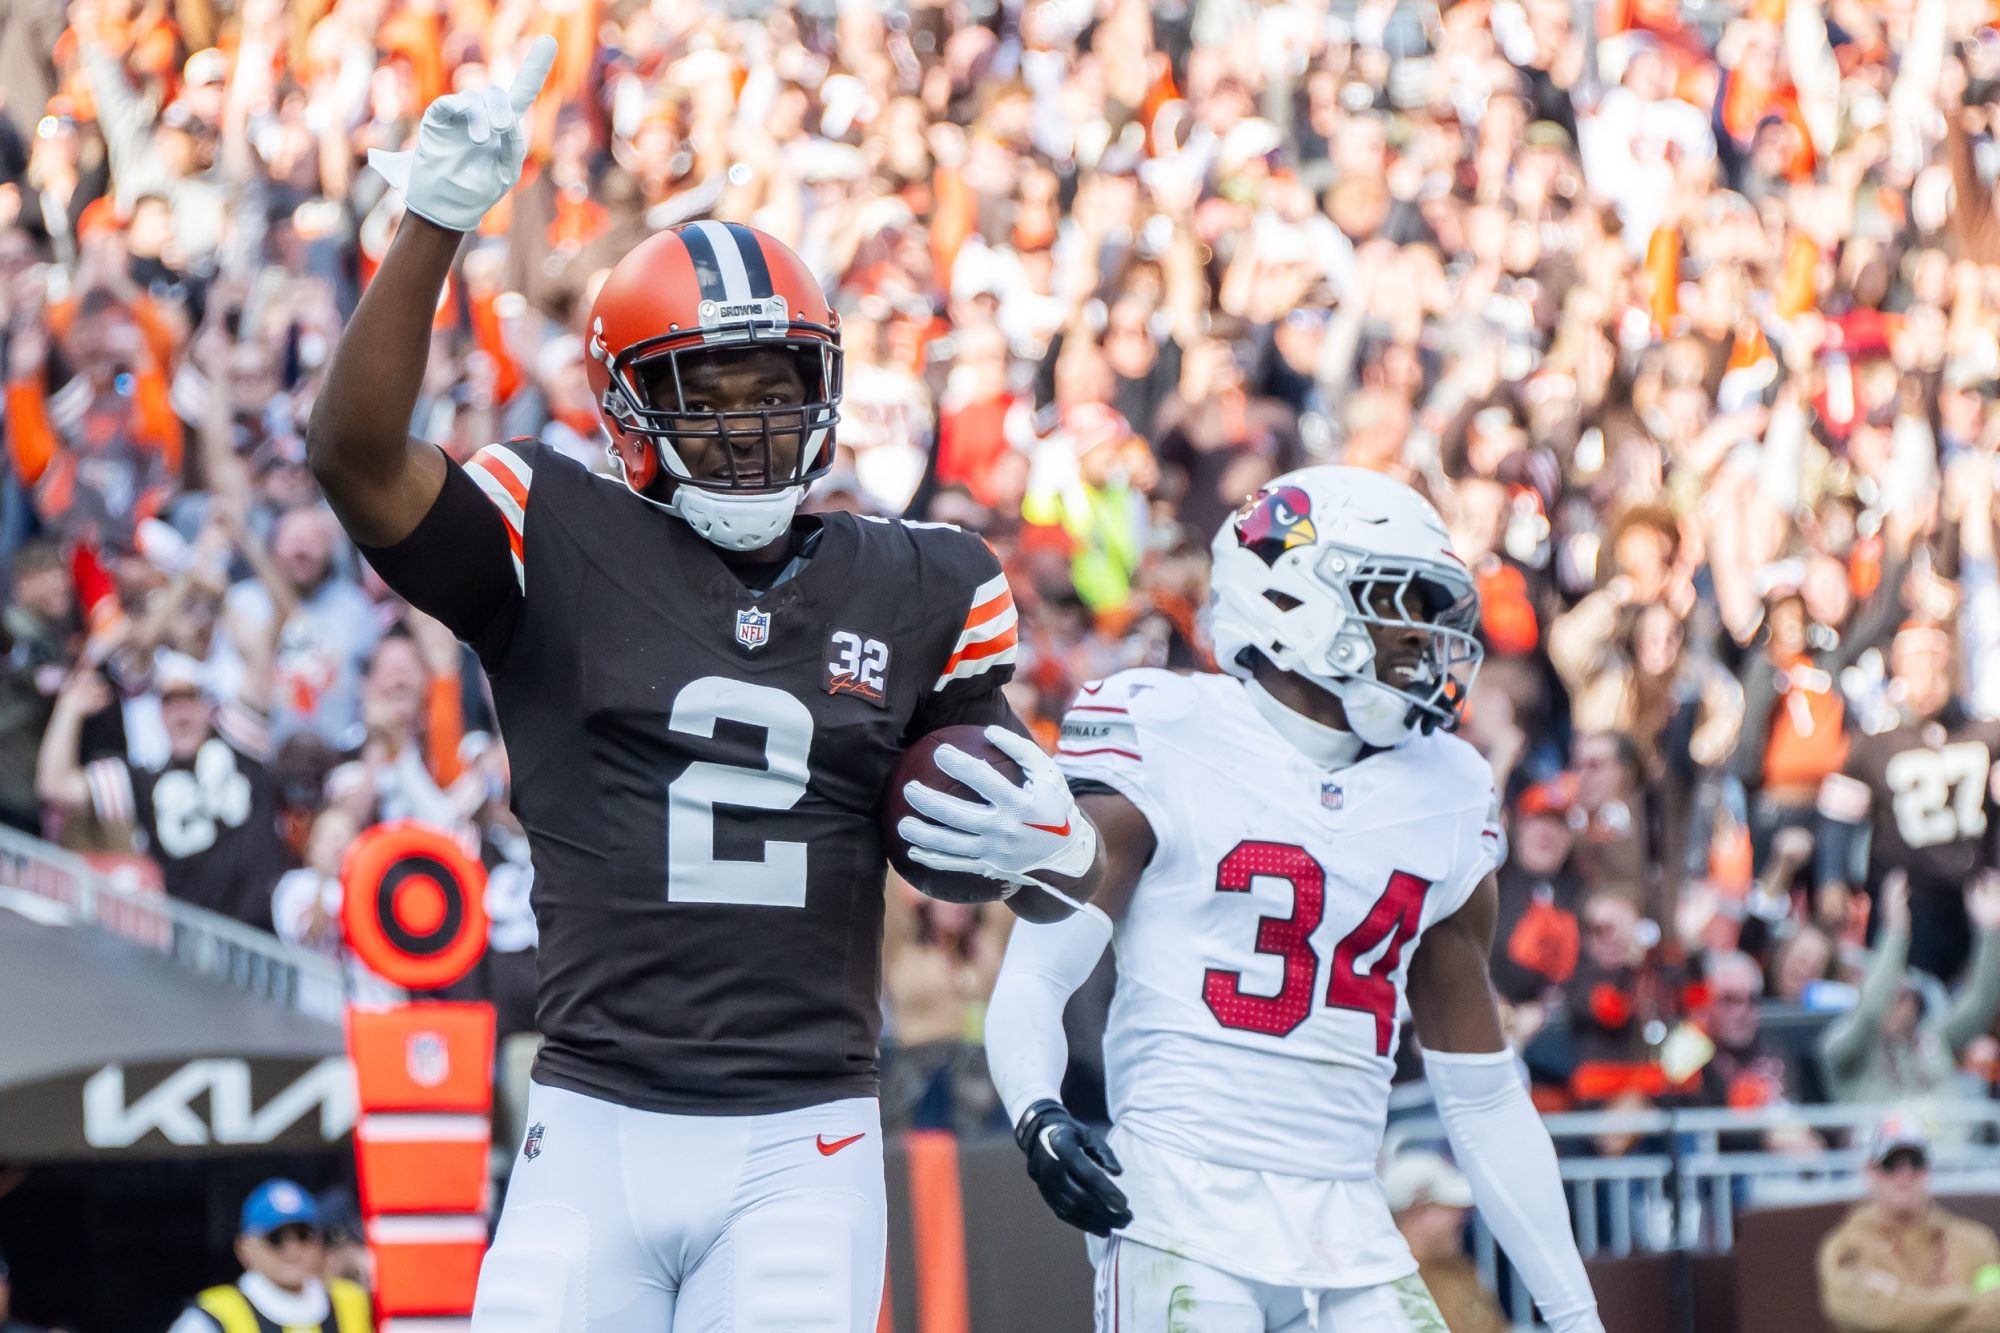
1331,796
532,1148
426,1059
753,628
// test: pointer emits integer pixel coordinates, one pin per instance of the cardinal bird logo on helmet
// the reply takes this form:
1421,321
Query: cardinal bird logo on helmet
1274,521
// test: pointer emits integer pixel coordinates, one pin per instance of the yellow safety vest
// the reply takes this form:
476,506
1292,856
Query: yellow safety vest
229,1307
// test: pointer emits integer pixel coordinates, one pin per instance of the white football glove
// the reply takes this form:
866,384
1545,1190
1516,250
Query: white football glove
1013,831
470,147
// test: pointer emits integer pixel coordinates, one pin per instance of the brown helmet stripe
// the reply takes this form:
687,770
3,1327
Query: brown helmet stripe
707,270
755,267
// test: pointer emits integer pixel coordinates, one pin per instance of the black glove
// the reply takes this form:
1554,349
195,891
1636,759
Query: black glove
1072,1165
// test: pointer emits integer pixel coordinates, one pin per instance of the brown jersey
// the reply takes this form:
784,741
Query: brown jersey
697,763
210,819
1932,800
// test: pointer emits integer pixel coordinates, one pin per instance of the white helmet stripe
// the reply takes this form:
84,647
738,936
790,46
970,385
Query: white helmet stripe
728,259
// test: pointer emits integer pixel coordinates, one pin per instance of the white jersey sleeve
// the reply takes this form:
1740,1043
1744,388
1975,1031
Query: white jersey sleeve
1479,834
1116,725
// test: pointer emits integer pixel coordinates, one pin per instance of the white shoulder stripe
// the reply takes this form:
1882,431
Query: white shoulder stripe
990,628
497,493
512,461
489,469
990,589
977,666
728,259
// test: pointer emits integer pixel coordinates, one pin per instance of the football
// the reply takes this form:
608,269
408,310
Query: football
919,764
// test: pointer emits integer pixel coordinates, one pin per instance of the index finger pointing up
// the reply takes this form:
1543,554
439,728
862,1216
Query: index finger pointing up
534,72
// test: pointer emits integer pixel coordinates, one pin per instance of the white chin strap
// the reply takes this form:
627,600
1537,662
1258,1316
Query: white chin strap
1375,713
1329,747
736,522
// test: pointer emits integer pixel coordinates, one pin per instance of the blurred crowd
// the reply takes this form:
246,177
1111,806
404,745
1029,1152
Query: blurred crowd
1681,314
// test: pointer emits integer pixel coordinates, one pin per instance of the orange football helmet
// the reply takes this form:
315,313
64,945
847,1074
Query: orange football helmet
694,290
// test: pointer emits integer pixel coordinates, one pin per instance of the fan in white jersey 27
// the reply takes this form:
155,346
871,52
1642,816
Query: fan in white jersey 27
1299,852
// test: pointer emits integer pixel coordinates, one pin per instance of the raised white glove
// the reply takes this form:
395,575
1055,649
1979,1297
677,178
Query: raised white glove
470,147
1013,830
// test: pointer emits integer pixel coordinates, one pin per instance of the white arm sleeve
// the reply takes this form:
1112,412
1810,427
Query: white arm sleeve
1025,1046
1506,1154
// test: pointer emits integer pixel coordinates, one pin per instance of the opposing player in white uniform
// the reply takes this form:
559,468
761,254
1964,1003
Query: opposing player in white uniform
1295,849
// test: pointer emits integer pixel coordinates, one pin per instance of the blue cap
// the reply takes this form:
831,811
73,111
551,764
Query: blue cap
276,1203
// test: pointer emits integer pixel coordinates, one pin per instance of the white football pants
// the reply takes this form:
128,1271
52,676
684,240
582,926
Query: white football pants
1144,1290
629,1221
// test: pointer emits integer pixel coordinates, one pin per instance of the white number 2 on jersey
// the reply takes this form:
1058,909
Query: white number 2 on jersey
694,875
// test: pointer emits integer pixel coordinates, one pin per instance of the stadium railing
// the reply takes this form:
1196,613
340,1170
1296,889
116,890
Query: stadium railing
203,941
1687,1175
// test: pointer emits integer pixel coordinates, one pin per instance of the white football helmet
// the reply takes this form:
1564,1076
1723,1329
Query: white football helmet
1319,556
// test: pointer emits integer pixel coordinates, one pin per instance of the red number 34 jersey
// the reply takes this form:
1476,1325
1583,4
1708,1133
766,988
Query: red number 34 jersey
1262,960
1261,967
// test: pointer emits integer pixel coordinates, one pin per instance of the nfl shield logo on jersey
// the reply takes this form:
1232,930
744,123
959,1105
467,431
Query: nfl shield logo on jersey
532,1148
1331,796
753,628
426,1059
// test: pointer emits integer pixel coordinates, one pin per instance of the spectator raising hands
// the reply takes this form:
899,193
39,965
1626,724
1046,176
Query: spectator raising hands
1903,1041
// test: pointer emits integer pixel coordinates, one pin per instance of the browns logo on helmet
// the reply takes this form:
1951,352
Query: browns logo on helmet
681,305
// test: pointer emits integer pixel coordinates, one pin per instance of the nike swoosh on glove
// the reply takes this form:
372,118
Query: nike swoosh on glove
1013,830
1072,1166
470,147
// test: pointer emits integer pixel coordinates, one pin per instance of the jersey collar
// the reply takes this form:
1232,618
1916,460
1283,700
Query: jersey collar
1326,747
821,559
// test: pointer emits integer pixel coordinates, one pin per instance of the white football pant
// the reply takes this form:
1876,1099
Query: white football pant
1144,1290
629,1221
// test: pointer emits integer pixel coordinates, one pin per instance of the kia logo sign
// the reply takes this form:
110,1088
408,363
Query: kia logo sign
208,1103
